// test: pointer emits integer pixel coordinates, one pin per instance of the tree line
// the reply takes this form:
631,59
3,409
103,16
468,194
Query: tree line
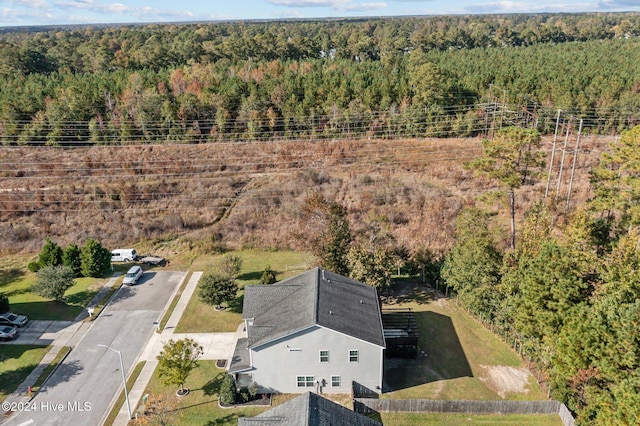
568,293
325,79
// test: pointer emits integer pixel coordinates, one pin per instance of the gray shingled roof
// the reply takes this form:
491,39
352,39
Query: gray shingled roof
308,409
240,360
316,297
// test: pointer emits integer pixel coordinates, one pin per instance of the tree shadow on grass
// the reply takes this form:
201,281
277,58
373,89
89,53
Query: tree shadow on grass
47,310
226,420
250,276
441,356
10,380
81,298
235,305
212,387
8,276
18,291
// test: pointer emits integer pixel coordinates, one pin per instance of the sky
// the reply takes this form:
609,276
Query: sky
64,12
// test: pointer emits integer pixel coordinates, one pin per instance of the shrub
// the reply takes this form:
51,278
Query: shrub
253,390
268,275
228,392
53,281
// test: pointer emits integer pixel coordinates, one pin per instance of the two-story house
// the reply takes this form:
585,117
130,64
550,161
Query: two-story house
317,331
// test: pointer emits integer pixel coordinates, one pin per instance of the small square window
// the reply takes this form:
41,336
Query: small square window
353,356
335,381
324,356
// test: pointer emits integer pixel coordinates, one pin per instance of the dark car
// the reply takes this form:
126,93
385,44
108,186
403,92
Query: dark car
14,320
8,333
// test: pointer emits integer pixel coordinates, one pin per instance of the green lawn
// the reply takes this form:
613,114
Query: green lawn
16,281
17,361
426,419
458,356
200,406
202,318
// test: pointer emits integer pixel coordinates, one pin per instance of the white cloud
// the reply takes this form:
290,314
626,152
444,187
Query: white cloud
338,5
525,7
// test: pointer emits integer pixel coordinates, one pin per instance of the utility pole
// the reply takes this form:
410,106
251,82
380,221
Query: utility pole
564,150
573,167
553,153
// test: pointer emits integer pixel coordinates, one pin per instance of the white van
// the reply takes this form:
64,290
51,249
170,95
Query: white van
132,276
123,255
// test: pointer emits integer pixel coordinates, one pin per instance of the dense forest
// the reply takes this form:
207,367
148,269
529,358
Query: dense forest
436,76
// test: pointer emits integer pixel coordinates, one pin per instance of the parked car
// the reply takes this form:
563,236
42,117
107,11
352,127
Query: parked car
14,320
133,274
8,333
123,255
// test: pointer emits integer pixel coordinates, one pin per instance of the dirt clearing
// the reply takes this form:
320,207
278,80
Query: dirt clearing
504,380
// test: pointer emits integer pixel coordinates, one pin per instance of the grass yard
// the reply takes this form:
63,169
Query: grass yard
202,318
16,281
17,361
200,406
460,359
427,419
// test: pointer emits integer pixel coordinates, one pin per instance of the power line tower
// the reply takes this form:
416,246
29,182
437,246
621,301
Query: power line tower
527,113
498,113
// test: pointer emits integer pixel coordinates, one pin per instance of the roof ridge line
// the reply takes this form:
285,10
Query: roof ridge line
316,297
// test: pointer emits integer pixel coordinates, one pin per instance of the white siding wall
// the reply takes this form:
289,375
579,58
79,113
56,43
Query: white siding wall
277,365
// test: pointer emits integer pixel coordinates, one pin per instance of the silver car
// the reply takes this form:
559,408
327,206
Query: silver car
133,275
14,320
8,333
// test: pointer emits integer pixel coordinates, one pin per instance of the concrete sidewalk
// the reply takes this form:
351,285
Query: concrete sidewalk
59,334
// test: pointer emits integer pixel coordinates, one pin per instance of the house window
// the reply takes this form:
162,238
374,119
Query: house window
324,356
305,381
353,355
335,381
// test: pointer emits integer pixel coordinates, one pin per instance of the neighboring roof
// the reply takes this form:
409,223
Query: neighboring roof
308,409
314,298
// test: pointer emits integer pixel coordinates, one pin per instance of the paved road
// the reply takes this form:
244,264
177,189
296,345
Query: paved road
84,386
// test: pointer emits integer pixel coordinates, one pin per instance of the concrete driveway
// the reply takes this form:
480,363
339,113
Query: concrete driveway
44,332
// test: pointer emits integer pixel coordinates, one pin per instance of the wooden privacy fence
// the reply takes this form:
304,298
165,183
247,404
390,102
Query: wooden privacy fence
367,405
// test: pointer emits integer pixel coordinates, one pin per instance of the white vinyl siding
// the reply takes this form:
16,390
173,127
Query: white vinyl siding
272,362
